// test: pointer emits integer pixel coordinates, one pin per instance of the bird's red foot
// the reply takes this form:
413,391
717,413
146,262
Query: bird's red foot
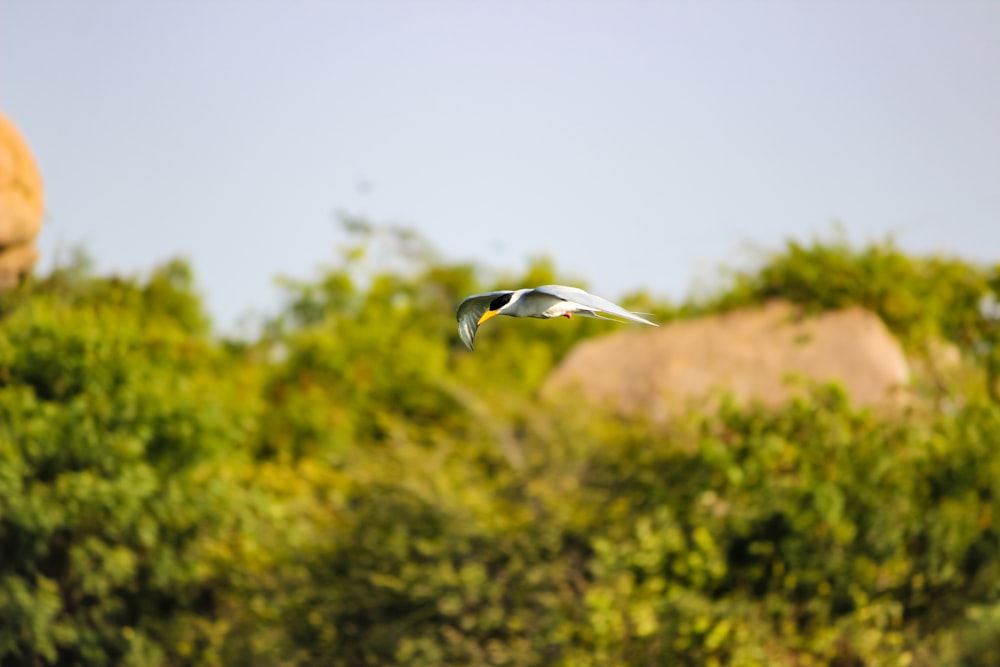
568,316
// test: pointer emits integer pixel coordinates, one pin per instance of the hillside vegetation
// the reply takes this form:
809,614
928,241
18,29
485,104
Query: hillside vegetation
354,488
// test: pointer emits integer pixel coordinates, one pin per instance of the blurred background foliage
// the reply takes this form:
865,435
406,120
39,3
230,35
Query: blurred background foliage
352,487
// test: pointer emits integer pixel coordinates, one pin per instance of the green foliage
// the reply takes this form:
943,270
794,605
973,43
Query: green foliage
110,410
916,297
355,488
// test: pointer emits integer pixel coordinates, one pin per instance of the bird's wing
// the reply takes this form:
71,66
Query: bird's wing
469,312
590,302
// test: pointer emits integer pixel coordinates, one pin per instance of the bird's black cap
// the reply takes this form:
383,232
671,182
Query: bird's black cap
500,301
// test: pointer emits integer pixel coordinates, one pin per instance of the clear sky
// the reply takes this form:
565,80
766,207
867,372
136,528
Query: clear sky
640,144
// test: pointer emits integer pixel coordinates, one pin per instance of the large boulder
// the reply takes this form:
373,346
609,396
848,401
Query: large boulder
20,207
764,354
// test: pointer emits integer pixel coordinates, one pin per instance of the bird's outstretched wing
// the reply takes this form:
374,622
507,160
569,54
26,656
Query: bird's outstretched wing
591,302
469,312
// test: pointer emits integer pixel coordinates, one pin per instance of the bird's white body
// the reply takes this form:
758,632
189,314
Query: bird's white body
544,302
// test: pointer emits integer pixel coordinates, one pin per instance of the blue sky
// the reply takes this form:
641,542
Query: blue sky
641,145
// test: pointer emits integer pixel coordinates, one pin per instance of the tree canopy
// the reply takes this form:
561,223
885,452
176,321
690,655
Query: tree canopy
351,487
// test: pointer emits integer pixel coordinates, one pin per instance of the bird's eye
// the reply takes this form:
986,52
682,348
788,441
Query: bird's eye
500,302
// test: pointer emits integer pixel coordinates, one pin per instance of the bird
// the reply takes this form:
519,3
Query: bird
544,302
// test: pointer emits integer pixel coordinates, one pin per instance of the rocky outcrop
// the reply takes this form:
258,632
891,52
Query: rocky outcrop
20,207
759,354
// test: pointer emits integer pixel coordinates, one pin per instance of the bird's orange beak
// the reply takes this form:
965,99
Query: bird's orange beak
487,315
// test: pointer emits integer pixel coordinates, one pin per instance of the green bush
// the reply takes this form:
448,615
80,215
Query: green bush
111,409
916,297
354,488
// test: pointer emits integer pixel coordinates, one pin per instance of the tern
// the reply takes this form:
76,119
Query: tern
543,302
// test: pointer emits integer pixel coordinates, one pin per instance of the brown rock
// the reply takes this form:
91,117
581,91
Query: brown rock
20,206
753,354
15,263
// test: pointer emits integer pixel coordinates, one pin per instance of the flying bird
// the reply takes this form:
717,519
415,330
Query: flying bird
543,302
